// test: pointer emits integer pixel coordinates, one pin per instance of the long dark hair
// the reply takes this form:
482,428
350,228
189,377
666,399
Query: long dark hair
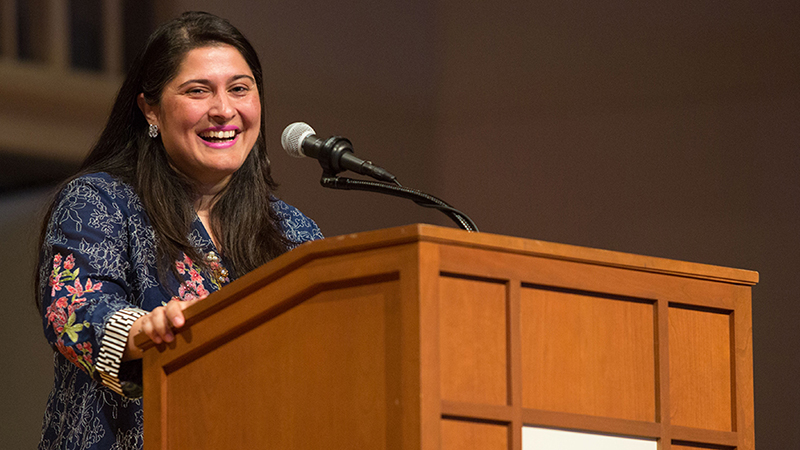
241,218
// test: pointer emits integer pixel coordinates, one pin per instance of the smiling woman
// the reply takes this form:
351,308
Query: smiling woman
174,201
209,115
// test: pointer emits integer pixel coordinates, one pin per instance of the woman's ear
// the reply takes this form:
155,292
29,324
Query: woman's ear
150,111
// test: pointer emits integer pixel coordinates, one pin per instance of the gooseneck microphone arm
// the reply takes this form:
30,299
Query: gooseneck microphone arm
462,220
335,155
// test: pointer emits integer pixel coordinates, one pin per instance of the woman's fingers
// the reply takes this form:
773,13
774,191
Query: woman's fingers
174,311
154,325
162,325
169,316
157,325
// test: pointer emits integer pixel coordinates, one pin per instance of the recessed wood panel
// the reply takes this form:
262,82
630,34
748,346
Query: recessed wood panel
465,435
692,447
329,382
473,341
588,354
700,369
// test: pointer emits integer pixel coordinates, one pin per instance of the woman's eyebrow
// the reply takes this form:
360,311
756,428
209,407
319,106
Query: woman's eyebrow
206,81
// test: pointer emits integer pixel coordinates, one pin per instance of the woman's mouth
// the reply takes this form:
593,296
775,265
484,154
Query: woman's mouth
218,137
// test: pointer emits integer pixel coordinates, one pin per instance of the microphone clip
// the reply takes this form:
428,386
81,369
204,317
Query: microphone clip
331,152
335,155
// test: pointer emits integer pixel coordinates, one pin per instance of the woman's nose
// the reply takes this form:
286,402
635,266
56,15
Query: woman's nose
221,108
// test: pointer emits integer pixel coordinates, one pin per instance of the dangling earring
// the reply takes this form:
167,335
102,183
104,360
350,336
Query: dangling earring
152,130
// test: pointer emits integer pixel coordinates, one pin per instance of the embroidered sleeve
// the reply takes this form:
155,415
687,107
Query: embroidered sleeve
84,270
296,226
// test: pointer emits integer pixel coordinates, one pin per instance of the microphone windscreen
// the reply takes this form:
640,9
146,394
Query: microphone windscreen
293,136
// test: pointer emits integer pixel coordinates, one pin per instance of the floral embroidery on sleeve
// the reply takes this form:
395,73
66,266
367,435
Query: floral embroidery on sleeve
61,313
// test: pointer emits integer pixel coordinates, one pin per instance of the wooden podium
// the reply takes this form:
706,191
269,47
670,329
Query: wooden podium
423,337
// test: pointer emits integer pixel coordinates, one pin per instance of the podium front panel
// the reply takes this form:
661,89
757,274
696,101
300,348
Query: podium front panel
423,338
701,368
601,348
473,341
464,435
326,384
604,348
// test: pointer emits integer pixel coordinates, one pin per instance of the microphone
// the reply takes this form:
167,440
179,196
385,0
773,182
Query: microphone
335,154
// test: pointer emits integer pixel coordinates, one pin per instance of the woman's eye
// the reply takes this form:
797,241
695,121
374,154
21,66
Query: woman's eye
240,89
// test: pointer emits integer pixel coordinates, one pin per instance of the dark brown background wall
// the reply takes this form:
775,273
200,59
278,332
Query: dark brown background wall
665,129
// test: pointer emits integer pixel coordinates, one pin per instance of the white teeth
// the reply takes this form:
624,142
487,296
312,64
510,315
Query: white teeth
219,134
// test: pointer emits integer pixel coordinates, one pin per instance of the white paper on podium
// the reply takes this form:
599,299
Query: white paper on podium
549,439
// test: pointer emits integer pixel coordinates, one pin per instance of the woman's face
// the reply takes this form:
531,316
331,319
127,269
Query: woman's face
209,115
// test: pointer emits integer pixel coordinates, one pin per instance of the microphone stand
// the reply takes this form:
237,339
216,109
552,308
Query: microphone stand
330,180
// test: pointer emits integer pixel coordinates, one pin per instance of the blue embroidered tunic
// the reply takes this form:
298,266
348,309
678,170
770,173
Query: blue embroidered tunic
98,272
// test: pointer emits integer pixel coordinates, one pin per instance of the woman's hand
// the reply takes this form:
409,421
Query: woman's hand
157,325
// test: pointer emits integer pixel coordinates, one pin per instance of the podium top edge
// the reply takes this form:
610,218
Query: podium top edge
510,244
425,234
